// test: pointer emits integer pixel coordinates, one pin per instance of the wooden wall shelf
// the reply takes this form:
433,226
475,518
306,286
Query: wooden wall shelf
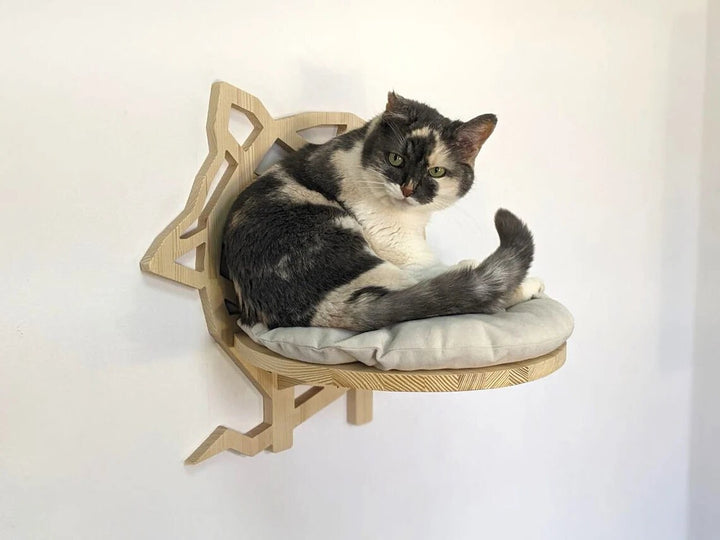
230,167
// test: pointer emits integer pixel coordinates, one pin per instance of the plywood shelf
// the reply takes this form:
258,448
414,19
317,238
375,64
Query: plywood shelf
230,167
361,377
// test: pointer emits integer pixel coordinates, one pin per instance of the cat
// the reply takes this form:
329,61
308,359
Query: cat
334,234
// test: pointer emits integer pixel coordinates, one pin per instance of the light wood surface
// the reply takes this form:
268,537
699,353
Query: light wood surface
360,409
360,376
228,168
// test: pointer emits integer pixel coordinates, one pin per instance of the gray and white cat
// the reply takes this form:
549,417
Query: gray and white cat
334,235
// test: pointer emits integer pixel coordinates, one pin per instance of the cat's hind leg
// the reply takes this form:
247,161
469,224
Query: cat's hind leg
341,307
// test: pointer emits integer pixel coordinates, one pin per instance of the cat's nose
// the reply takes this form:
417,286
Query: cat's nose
407,189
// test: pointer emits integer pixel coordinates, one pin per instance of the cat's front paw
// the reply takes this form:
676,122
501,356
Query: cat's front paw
531,287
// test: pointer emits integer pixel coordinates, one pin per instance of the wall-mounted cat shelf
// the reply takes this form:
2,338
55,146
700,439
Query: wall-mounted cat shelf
229,167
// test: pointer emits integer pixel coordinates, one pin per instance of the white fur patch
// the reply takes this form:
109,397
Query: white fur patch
396,234
440,155
348,222
531,287
467,263
298,193
448,186
283,268
421,132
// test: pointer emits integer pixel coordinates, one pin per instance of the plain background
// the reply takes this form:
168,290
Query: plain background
607,146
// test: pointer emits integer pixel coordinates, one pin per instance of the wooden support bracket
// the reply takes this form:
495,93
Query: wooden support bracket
283,412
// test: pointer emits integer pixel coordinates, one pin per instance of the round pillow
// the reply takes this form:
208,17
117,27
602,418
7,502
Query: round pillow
526,330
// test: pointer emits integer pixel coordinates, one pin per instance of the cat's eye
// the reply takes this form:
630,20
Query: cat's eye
436,172
396,160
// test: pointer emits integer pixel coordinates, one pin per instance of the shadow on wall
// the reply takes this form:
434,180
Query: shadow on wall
704,492
679,194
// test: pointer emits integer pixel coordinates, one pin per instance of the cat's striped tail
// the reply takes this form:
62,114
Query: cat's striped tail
482,289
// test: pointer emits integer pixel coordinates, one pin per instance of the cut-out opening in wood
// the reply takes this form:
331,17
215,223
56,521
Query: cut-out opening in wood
242,128
277,152
219,180
188,259
318,134
229,168
301,388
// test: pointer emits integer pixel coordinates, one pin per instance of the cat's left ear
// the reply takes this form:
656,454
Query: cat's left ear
471,135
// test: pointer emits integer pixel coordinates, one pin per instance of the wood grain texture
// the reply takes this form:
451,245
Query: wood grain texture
360,376
229,167
224,438
359,406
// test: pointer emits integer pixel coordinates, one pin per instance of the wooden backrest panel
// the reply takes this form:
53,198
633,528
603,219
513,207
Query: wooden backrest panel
199,226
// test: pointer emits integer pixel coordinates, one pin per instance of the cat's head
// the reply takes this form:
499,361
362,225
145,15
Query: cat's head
421,158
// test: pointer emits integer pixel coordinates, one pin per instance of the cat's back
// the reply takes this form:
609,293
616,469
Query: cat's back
276,197
286,245
301,189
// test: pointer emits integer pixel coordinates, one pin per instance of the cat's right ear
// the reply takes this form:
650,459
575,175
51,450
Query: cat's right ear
397,106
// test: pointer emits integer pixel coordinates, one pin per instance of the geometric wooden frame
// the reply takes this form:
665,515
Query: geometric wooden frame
230,167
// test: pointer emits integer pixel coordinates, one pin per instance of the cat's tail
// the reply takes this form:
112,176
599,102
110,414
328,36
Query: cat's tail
482,289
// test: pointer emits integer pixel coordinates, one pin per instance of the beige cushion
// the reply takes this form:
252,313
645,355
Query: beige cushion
527,330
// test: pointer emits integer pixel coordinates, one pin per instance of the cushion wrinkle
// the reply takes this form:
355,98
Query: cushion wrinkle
526,330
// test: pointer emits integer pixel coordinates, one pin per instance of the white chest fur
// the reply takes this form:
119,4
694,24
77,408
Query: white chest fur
395,235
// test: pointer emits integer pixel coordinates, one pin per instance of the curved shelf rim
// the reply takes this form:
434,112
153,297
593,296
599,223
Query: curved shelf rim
362,377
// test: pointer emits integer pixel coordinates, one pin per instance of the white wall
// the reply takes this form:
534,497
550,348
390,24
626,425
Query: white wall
704,518
108,379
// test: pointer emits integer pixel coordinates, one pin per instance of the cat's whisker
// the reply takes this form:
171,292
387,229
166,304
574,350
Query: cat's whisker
369,183
439,205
